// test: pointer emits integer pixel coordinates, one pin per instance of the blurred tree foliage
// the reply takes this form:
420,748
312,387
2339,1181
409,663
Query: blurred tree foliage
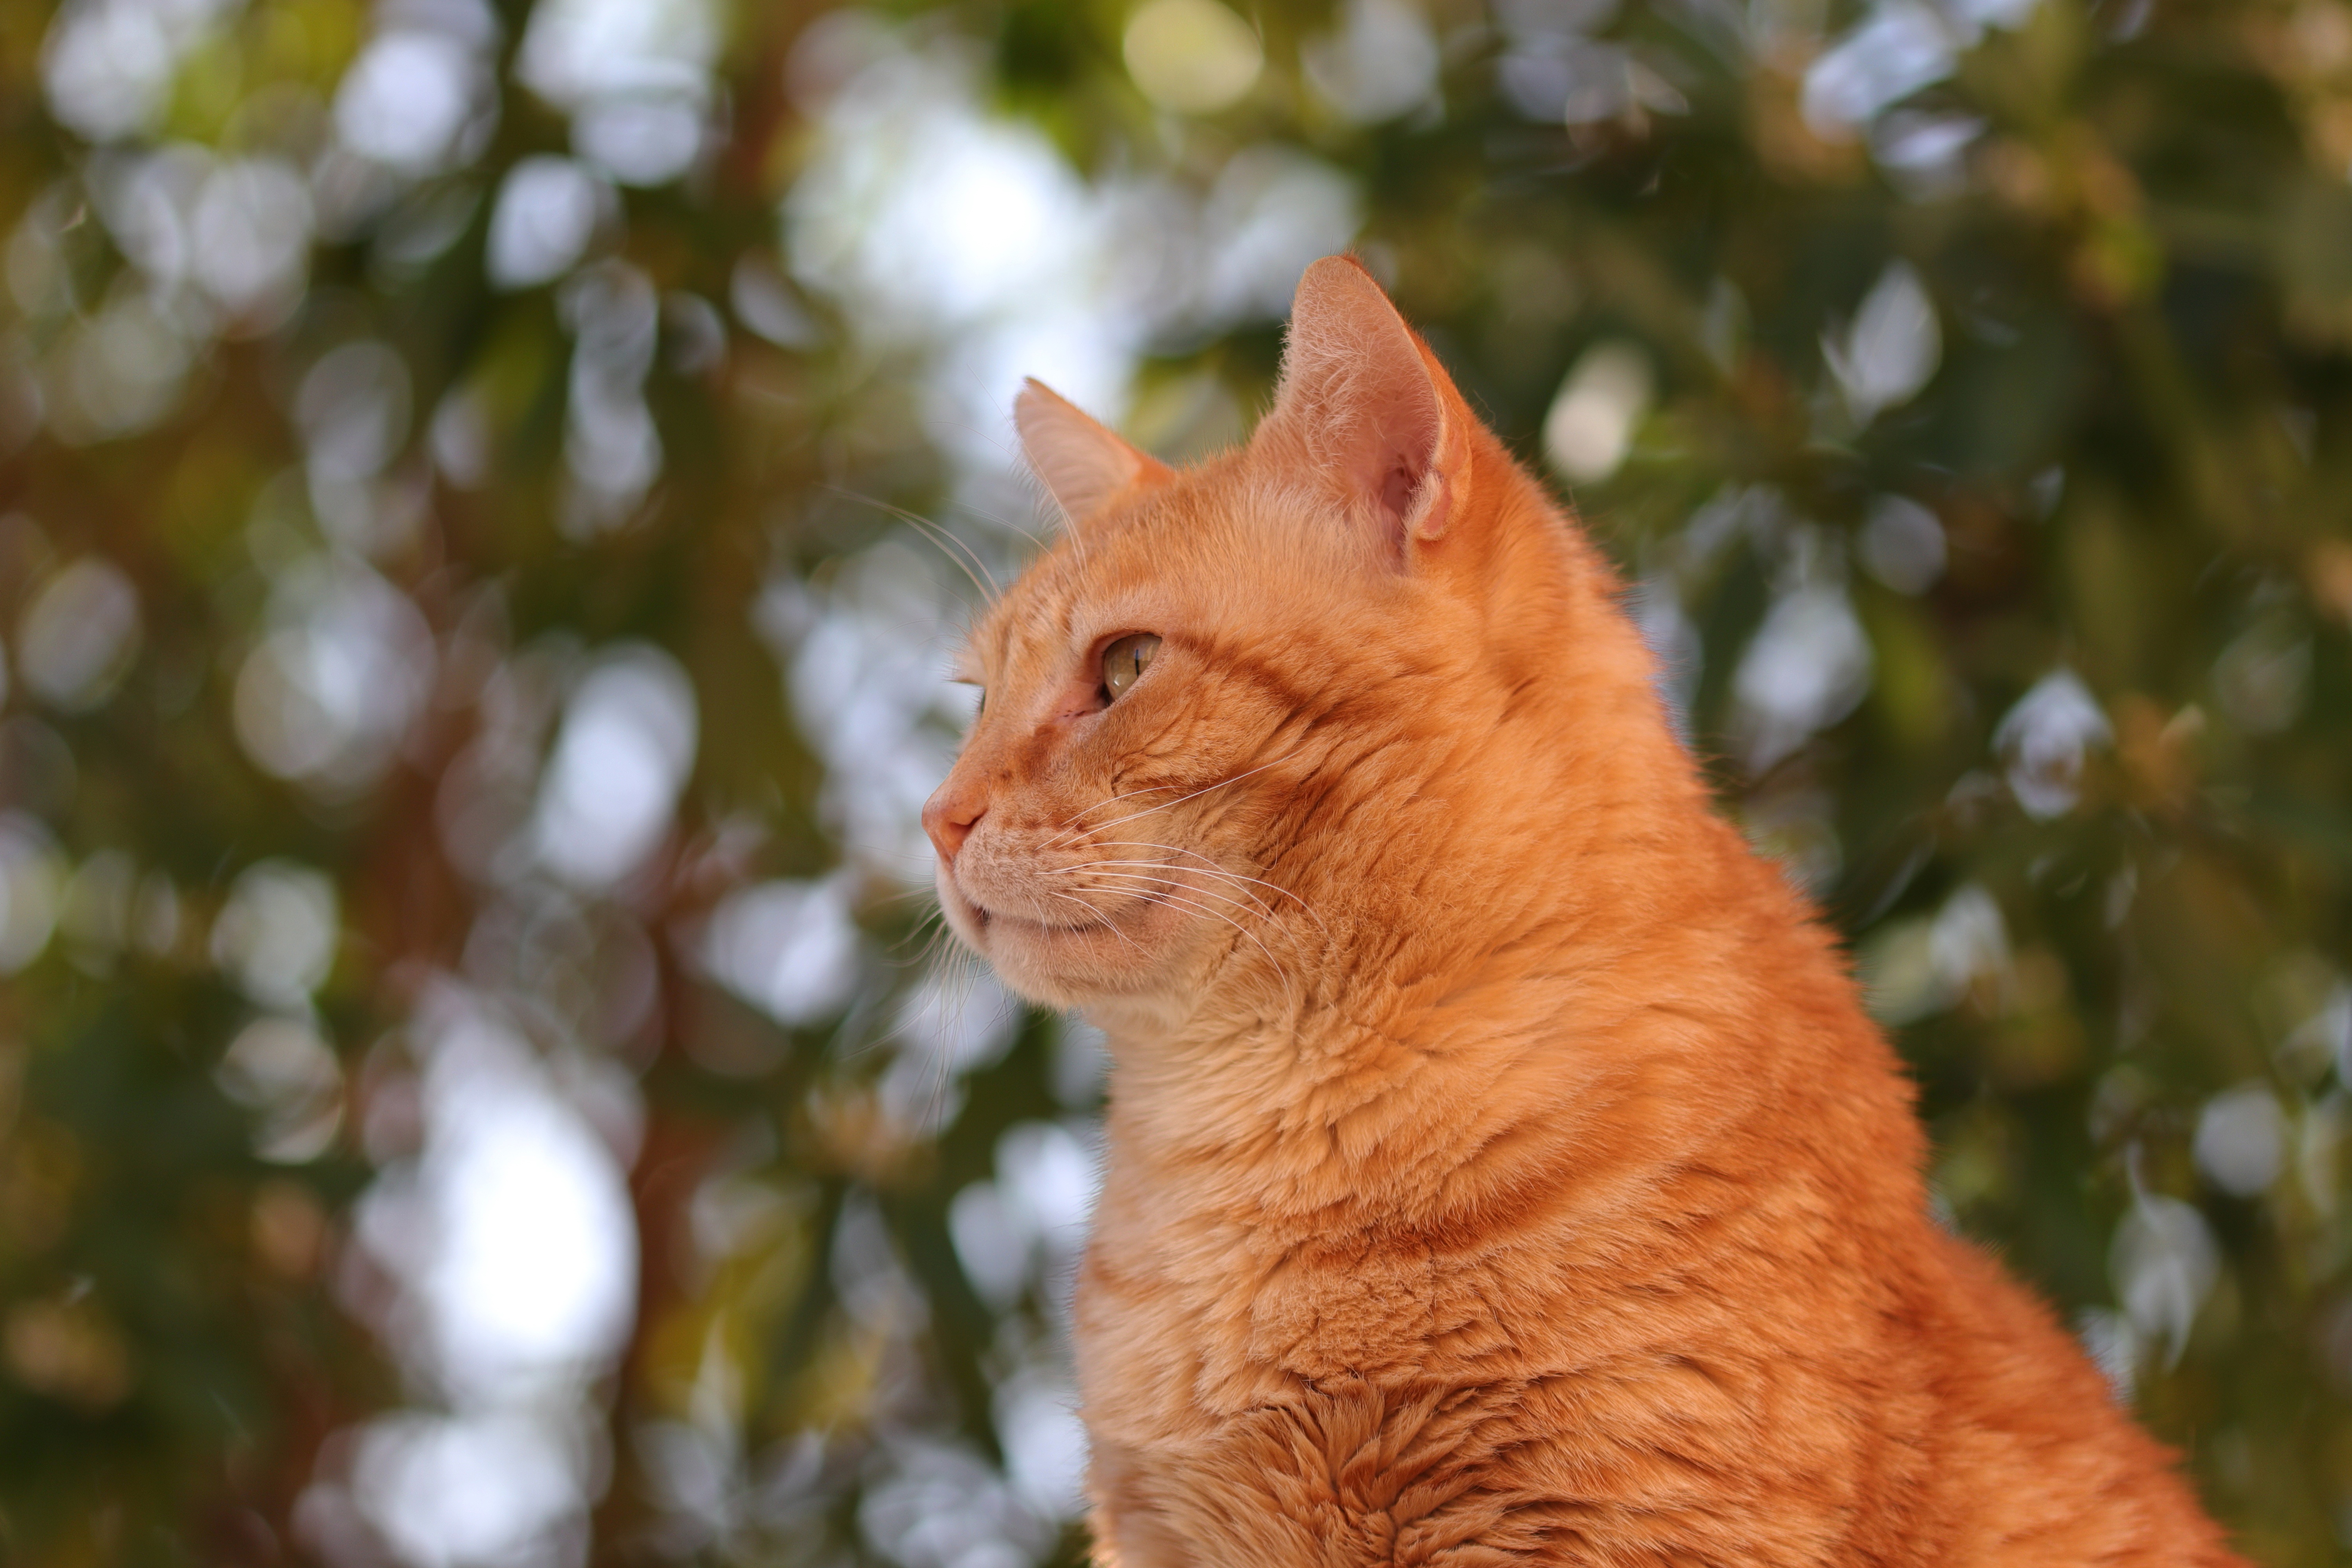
391,397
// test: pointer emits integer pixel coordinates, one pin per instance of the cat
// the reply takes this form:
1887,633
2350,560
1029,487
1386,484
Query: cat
1500,1168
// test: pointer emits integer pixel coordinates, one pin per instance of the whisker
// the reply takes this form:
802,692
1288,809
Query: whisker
1252,905
1208,868
1215,869
922,930
948,543
1123,795
1254,902
1105,921
939,941
1173,901
968,972
1005,523
1290,991
1105,826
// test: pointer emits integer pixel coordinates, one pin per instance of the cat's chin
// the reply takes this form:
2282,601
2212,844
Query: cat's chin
1056,964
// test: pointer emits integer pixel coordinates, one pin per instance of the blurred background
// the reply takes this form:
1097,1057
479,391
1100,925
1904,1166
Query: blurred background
488,493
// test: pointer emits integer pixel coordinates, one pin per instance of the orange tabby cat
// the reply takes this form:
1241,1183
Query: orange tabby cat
1501,1169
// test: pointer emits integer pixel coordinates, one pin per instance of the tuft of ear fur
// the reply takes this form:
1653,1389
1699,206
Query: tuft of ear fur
1375,408
1084,464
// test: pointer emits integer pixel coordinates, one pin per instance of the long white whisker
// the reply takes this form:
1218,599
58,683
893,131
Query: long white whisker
1281,972
1173,901
1099,917
1105,826
1109,871
1123,795
963,975
938,942
1220,870
1209,870
1252,905
948,543
1005,523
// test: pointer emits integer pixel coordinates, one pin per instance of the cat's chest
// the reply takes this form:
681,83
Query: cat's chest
1186,1319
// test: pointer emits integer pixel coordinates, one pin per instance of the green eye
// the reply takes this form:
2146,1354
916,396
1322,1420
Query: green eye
1125,660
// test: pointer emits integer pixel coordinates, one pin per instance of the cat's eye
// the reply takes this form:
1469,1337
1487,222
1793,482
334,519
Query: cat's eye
1125,661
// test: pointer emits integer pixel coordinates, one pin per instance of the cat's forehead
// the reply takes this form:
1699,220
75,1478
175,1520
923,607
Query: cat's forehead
1222,545
1081,578
1035,614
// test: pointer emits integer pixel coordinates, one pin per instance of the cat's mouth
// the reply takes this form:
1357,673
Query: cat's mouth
984,918
1059,943
1063,954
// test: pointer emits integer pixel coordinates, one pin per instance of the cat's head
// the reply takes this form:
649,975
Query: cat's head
1172,693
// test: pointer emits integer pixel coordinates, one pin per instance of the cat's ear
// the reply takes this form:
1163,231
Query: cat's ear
1376,412
1083,463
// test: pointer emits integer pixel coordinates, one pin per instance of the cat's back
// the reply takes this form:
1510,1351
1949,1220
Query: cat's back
2043,1466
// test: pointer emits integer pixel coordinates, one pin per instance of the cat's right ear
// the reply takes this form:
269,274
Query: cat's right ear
1084,464
1379,418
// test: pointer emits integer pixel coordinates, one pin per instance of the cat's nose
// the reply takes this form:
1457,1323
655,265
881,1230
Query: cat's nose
950,816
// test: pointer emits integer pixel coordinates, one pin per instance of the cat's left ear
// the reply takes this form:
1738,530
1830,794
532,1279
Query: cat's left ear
1084,464
1377,412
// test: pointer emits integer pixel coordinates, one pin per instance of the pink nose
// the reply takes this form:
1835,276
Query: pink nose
950,816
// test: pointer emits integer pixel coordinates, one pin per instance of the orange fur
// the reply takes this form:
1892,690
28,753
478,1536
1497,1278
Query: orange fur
1501,1169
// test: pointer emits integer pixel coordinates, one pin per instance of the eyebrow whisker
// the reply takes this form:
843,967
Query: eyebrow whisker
955,549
